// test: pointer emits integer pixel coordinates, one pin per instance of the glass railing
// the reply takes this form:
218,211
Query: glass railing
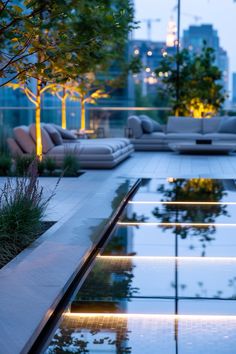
106,121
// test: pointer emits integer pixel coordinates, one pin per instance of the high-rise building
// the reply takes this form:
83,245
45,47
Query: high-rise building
150,54
234,89
194,38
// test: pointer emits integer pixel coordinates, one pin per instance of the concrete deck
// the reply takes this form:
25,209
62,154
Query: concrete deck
32,284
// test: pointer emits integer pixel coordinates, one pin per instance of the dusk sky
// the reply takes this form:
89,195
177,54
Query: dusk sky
220,13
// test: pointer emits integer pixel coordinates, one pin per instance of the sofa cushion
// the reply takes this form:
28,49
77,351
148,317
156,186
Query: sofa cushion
147,125
210,125
135,124
24,139
14,148
54,134
227,125
184,125
220,136
65,134
46,140
184,136
150,125
155,135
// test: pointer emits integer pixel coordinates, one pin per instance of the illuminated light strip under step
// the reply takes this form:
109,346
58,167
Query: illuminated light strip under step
163,258
180,203
122,223
155,316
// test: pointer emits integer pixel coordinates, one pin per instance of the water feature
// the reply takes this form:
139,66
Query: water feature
165,280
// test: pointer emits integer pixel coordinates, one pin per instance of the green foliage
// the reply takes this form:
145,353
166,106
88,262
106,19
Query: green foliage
50,164
5,165
22,207
70,164
22,164
198,82
56,40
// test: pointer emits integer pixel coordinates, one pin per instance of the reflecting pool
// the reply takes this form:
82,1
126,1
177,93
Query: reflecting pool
165,279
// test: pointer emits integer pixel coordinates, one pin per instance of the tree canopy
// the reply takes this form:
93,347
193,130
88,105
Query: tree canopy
200,91
56,40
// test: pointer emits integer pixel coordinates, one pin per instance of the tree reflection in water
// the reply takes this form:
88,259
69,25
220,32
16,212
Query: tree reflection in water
192,190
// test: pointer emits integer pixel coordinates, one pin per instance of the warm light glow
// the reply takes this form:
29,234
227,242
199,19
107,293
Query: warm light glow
149,53
170,258
171,33
199,109
160,74
63,113
155,316
136,52
150,80
83,117
148,70
174,224
180,203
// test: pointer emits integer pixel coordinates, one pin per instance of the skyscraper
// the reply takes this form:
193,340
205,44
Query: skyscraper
194,38
234,90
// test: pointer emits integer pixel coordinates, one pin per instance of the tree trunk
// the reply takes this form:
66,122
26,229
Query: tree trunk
39,147
63,109
82,126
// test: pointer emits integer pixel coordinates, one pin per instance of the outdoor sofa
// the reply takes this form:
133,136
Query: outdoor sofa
150,135
91,153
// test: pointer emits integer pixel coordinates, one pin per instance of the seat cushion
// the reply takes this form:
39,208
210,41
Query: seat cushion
53,133
210,125
227,125
220,136
24,139
184,136
184,125
153,136
135,124
14,148
65,134
46,140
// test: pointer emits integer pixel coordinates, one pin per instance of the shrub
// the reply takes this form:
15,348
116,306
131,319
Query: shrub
5,165
22,164
71,163
22,207
50,164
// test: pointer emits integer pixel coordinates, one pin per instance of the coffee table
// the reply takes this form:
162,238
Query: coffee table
193,148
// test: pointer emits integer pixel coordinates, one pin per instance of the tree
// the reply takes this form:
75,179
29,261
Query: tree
61,41
200,91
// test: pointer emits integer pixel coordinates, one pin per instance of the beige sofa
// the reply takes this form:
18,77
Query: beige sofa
97,153
149,136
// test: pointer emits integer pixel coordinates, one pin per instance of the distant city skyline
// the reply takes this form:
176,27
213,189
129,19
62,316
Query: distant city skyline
222,17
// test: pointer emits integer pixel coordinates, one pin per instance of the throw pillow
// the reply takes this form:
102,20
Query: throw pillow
147,126
228,126
65,134
54,134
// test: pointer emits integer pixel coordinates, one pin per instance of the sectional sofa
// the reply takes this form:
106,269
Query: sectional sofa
97,153
149,135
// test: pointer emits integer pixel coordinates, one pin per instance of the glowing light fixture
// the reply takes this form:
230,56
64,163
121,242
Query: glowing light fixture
170,258
180,203
136,51
148,70
155,316
170,224
149,53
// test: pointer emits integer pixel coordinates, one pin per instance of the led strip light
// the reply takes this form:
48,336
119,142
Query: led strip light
163,258
154,316
179,203
182,224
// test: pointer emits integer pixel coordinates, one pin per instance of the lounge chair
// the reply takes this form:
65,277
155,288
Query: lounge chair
91,153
